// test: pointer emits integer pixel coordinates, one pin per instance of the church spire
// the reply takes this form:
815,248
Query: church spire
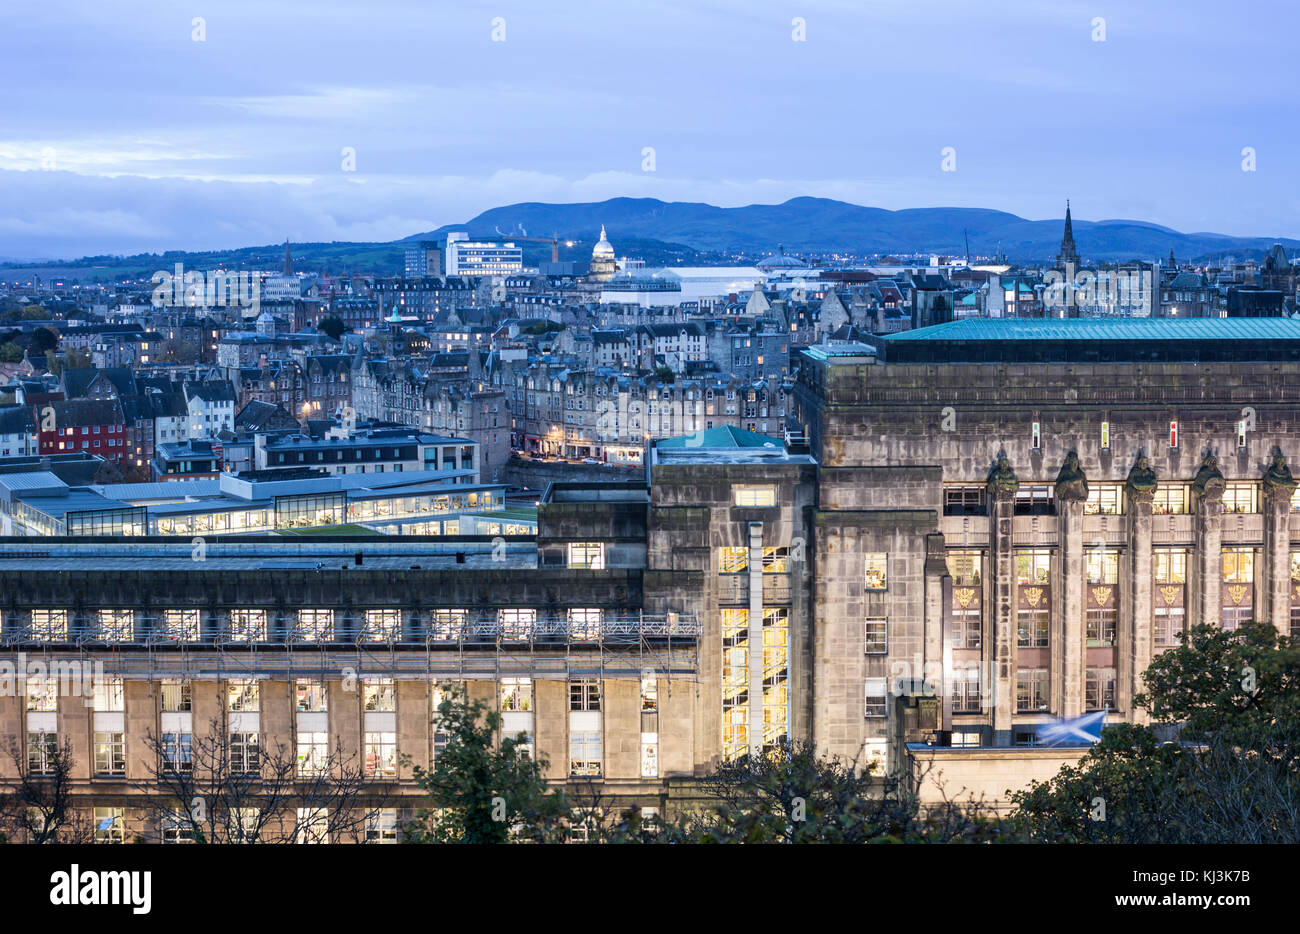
288,260
1069,255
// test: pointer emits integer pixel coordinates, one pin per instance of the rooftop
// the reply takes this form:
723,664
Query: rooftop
1097,340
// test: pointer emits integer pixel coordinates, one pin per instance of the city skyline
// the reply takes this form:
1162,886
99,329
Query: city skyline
242,124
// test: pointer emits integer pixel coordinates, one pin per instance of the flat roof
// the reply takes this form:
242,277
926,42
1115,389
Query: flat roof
1104,329
1097,340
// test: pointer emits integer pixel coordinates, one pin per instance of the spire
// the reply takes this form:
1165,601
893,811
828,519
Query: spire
1069,254
602,232
288,260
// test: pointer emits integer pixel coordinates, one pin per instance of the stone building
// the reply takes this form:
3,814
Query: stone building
991,525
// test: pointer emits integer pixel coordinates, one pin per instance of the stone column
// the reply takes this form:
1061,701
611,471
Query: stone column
1002,487
1208,490
1136,614
1278,487
1071,493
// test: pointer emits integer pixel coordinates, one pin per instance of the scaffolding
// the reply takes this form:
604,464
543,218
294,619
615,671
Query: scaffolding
481,644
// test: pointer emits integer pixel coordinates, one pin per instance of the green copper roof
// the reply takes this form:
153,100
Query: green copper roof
1105,329
724,437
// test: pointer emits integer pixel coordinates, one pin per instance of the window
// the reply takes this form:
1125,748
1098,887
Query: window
966,689
966,740
753,496
176,696
175,828
50,625
1241,497
1101,566
965,501
116,625
584,694
649,692
584,752
1241,435
244,753
1099,689
517,694
247,625
378,694
735,682
448,625
1239,565
877,697
776,560
1105,436
178,751
313,825
383,626
876,575
1169,624
312,696
1170,499
108,696
584,624
315,625
733,560
1036,436
1031,690
1035,501
1033,567
110,825
381,755
242,695
1104,499
181,625
110,753
42,752
876,636
517,623
588,556
43,693
381,827
313,752
1173,434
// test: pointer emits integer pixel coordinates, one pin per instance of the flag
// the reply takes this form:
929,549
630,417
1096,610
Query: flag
1076,732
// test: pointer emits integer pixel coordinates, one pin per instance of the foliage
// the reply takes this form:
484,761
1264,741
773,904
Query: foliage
483,791
332,326
1231,776
10,353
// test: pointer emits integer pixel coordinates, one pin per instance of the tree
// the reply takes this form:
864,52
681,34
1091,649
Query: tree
1231,773
792,795
482,791
332,326
37,807
217,794
10,353
44,340
666,374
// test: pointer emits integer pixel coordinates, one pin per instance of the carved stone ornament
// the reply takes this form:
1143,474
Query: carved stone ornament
1071,483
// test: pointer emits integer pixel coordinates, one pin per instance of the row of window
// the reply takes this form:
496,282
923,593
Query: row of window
307,625
1031,692
243,824
1242,427
1106,499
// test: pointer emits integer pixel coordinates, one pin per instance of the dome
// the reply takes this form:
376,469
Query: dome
603,246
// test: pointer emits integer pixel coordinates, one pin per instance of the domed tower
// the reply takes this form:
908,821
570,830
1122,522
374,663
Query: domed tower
603,264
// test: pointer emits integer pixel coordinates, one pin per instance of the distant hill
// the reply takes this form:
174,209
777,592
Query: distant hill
686,233
822,225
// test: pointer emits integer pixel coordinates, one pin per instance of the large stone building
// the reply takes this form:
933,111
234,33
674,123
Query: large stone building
974,531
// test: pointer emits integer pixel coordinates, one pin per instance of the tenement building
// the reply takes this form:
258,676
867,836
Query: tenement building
974,530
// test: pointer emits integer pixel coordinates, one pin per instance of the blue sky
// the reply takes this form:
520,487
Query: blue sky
120,133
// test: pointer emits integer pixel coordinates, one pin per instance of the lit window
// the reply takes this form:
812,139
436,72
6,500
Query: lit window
311,695
176,696
753,496
1105,436
247,626
1104,499
587,555
381,755
315,625
733,559
1241,497
876,574
1170,499
876,636
383,626
242,695
776,560
379,694
877,697
313,752
1036,436
1173,434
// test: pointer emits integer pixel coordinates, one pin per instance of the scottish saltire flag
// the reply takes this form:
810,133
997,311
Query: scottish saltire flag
1076,732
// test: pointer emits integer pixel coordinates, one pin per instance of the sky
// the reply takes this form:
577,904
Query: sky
146,125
